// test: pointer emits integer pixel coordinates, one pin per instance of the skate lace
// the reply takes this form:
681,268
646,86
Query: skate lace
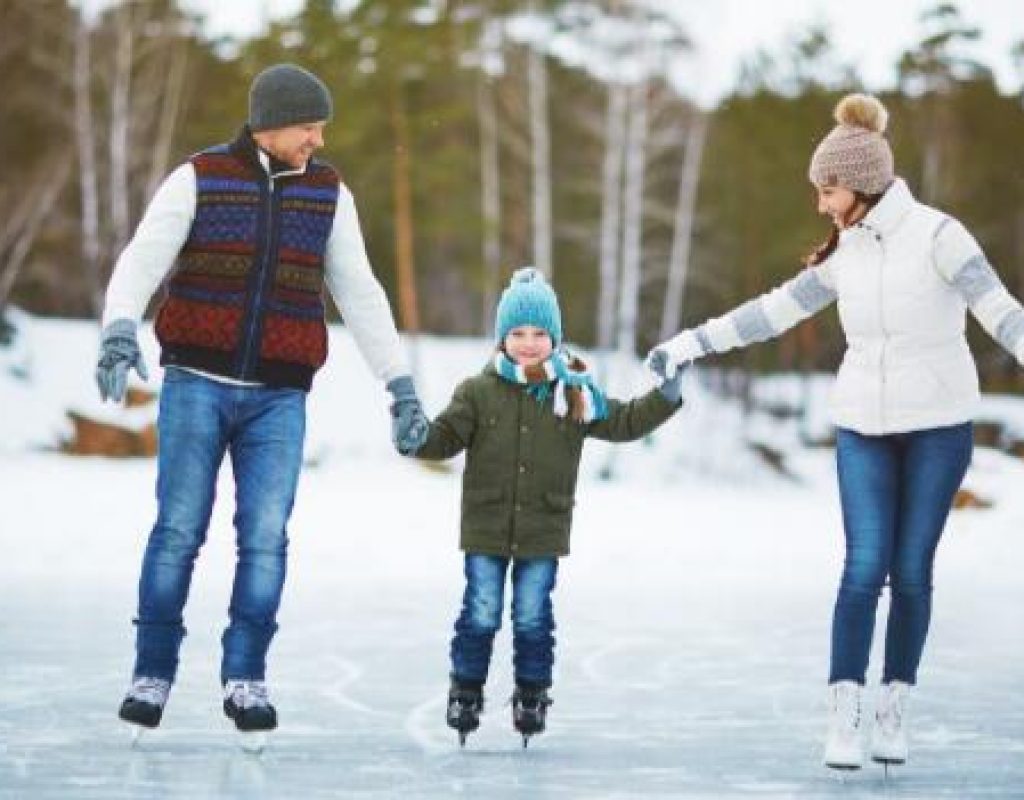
890,713
248,694
150,690
846,710
460,700
531,701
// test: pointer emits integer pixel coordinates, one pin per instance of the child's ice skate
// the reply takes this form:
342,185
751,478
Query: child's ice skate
143,705
529,711
464,706
248,705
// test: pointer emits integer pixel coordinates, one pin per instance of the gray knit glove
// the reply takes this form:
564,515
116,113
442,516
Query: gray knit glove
119,352
409,425
671,388
659,362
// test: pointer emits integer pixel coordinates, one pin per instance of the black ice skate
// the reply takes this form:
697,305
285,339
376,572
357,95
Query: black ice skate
247,704
464,706
529,711
143,705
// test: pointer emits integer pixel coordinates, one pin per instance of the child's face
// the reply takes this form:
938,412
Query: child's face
528,345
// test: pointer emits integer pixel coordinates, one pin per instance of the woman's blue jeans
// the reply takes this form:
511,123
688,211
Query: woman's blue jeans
896,494
263,430
533,621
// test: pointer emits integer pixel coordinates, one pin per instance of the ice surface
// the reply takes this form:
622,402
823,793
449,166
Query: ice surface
693,623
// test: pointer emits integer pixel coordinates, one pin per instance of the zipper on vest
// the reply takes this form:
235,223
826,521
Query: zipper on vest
253,325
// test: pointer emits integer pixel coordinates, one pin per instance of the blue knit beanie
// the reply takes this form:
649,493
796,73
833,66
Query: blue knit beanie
529,300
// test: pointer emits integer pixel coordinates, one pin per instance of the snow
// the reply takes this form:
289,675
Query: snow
693,616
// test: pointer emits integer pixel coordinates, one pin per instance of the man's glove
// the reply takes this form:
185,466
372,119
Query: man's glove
119,352
409,425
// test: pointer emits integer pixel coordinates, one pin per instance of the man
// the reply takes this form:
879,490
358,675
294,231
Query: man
249,232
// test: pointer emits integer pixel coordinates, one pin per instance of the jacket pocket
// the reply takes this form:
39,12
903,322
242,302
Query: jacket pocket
559,502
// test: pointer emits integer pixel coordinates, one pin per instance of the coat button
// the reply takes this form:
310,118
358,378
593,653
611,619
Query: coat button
522,467
524,428
518,507
514,547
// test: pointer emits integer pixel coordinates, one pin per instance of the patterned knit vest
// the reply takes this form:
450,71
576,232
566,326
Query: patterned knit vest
245,299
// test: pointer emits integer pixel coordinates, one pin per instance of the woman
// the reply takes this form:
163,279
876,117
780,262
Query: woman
903,274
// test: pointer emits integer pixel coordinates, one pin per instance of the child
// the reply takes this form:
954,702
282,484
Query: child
523,421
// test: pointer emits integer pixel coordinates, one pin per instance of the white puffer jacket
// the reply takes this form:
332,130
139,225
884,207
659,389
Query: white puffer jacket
903,278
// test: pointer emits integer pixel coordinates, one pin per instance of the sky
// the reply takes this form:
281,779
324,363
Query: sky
871,34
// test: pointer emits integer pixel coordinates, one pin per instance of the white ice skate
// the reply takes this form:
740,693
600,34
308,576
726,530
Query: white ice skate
844,749
143,705
889,738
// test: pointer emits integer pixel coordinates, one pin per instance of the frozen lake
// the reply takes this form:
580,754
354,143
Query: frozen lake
692,645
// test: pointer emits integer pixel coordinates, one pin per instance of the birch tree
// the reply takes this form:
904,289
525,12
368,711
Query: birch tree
686,209
540,137
88,177
490,65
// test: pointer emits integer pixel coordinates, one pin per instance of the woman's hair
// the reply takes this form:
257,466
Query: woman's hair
828,247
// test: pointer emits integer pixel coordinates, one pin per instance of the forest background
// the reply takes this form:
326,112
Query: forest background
482,135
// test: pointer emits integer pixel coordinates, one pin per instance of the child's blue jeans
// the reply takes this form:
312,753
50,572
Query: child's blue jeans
533,621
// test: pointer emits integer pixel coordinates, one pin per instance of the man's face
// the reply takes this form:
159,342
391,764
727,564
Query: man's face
293,145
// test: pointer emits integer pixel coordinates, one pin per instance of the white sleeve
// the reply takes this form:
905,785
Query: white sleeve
760,319
359,295
960,261
151,253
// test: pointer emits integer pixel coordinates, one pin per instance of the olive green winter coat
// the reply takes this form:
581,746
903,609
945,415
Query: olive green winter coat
519,485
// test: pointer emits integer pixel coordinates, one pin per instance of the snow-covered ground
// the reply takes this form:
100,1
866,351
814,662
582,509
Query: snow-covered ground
693,618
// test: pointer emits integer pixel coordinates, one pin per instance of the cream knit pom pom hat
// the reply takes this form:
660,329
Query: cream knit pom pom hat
856,154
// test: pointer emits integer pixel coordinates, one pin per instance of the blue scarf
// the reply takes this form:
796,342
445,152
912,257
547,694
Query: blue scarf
566,376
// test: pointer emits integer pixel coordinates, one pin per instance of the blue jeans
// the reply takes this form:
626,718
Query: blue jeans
533,622
896,493
263,430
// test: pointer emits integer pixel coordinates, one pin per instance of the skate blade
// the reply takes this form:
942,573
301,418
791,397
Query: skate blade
843,767
889,762
135,732
254,742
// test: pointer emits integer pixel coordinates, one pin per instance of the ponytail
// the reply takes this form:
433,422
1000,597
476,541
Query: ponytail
828,247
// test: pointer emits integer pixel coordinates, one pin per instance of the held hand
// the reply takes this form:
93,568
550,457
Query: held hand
119,353
660,362
409,425
672,388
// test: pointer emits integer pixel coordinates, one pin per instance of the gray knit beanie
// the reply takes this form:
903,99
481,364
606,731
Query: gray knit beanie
286,94
856,154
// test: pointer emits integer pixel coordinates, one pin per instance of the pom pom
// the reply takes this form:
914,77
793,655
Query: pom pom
862,111
526,275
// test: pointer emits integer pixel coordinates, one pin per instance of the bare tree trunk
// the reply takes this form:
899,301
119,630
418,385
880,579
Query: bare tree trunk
41,205
490,197
611,214
170,110
87,174
408,305
632,232
540,135
686,208
119,112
